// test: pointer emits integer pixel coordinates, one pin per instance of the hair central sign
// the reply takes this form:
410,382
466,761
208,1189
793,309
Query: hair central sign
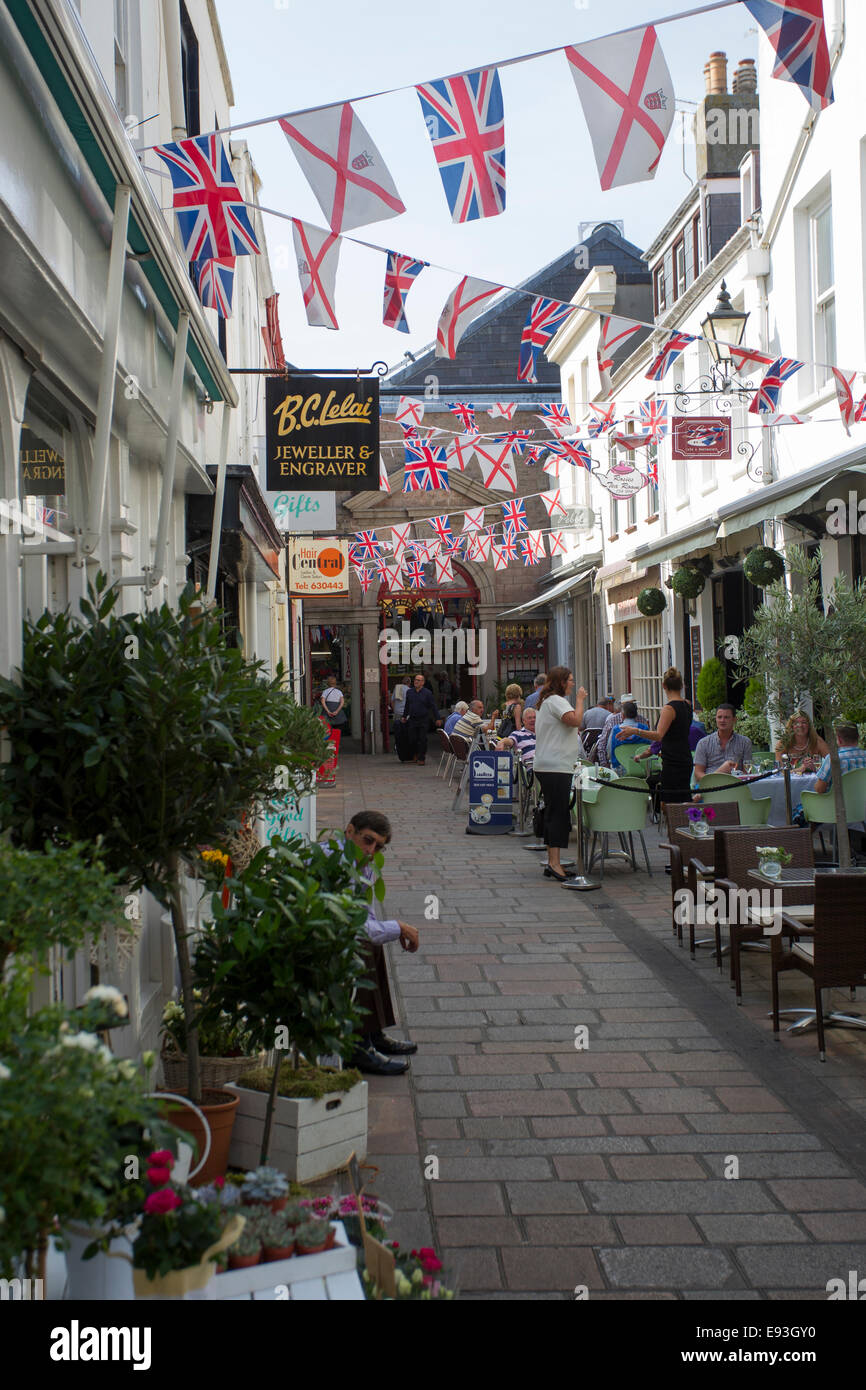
323,433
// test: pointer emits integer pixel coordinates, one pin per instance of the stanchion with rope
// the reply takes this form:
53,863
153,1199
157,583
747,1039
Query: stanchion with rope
579,881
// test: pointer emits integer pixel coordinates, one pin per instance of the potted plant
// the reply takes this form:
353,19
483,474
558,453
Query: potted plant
712,688
265,1187
313,1237
700,818
278,1238
418,1276
179,1236
225,1049
247,1249
771,859
152,756
284,954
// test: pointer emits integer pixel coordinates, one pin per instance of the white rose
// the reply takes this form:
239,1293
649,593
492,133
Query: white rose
5,1073
107,994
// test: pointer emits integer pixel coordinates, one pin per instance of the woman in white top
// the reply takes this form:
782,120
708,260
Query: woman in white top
333,702
557,750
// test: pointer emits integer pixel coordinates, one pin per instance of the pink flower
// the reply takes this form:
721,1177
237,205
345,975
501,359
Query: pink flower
430,1264
161,1158
219,1183
159,1176
159,1203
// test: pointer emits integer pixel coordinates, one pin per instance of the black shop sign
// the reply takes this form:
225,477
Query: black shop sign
323,434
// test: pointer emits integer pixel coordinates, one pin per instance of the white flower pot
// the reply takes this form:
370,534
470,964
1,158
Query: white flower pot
309,1138
105,1278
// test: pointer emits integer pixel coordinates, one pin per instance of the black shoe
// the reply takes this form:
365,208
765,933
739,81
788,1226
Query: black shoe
368,1059
551,873
392,1047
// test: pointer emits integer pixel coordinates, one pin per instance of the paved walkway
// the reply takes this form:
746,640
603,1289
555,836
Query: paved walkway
682,1153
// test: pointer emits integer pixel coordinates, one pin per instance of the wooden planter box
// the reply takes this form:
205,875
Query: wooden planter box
331,1275
309,1138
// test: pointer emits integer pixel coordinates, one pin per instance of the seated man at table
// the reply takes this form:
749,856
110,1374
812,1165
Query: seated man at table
522,740
851,755
724,750
454,719
629,720
601,748
469,724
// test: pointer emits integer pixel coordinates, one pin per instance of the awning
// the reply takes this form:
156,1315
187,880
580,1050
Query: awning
788,495
558,591
678,543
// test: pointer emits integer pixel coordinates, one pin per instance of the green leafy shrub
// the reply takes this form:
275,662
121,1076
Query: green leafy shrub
688,582
712,688
763,566
752,722
651,602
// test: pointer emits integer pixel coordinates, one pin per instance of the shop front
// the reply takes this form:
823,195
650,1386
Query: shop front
522,649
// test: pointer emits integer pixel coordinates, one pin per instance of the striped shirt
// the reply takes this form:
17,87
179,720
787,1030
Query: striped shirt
849,758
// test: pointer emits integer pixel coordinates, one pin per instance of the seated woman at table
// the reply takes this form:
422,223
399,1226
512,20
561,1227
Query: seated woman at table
802,744
672,733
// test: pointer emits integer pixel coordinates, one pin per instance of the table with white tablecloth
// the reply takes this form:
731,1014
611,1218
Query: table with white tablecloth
774,788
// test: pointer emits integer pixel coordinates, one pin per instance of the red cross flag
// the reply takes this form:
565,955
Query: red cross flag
444,572
556,542
365,578
409,412
553,503
400,537
384,484
464,304
845,395
500,557
343,167
627,96
506,408
613,334
318,255
495,459
461,450
473,520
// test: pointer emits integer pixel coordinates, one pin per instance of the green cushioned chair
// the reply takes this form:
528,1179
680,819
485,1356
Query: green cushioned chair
616,812
819,808
753,811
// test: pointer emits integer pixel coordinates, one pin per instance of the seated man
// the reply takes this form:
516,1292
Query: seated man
453,719
522,740
601,749
629,720
851,755
469,724
378,1054
724,750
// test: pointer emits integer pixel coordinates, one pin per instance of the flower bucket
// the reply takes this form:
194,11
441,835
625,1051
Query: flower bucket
107,1278
179,1282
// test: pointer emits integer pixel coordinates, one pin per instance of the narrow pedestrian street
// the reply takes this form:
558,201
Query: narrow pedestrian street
682,1153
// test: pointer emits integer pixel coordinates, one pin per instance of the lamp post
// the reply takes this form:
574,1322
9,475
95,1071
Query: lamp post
723,329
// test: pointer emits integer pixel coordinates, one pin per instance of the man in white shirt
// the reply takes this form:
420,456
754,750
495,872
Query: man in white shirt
377,1054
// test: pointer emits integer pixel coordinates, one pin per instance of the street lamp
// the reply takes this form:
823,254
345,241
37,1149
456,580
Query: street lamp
724,329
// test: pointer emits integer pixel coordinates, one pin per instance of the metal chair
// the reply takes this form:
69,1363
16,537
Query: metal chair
460,747
682,853
753,810
620,813
832,952
736,855
447,751
819,808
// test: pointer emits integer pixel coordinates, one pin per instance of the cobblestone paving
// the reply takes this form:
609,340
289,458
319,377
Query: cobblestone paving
609,1166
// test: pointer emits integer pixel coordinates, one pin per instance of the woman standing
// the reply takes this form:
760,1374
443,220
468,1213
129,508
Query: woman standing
512,714
333,701
801,742
557,750
675,721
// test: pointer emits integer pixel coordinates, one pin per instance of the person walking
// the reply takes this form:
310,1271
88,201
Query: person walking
557,750
672,733
418,711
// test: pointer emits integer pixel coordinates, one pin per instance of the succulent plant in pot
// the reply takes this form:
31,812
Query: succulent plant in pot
278,1237
312,1237
265,1187
247,1249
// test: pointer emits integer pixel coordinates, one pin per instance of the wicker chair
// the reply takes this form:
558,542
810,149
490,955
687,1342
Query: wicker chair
832,952
736,854
681,853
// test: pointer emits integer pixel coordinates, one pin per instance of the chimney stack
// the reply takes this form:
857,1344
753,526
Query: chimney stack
745,78
716,74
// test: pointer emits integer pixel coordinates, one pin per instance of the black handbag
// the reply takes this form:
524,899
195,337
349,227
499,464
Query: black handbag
538,820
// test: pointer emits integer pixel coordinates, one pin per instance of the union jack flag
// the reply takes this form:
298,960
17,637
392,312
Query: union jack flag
465,412
766,399
415,574
466,123
514,516
534,452
556,542
556,417
365,578
210,210
381,566
572,449
529,552
795,28
400,273
444,572
508,546
652,473
216,282
408,408
368,544
603,420
454,544
473,519
654,415
506,408
545,317
613,333
442,526
462,450
668,354
426,467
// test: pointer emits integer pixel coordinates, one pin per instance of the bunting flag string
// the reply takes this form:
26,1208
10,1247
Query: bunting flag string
318,255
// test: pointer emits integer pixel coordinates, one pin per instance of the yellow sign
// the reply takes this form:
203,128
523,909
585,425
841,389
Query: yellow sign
318,566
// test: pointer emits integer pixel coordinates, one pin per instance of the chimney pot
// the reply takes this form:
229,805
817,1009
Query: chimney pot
746,77
717,74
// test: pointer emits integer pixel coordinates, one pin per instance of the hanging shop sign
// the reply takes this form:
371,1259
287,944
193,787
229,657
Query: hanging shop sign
300,513
318,566
700,437
323,433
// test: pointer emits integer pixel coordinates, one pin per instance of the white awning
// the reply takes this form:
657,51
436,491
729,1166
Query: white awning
786,496
558,591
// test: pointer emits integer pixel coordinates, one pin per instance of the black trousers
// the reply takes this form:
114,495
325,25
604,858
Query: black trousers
675,781
418,737
556,791
376,997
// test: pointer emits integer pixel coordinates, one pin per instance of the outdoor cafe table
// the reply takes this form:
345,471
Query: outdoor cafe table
774,788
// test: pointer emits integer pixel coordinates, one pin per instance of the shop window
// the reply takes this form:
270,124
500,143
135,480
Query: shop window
823,293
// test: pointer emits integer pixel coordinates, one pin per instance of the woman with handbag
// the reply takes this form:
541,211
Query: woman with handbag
557,750
333,703
512,714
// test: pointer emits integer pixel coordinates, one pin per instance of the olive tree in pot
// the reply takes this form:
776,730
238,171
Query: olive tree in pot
150,734
806,644
285,955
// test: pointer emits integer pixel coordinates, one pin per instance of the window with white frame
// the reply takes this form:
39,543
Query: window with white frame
823,291
646,667
121,42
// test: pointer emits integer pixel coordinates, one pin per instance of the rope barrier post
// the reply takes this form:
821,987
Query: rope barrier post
579,882
786,773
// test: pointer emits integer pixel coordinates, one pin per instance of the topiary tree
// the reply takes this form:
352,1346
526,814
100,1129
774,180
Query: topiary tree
651,602
688,581
763,566
805,646
712,688
149,733
752,722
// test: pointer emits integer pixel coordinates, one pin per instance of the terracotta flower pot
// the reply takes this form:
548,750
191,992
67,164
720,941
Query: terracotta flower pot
277,1252
276,1205
244,1261
219,1109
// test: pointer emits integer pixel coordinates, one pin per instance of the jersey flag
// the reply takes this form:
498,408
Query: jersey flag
318,255
343,167
466,124
463,305
627,96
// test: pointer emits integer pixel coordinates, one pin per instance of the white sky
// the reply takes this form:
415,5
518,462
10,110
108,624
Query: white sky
285,55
